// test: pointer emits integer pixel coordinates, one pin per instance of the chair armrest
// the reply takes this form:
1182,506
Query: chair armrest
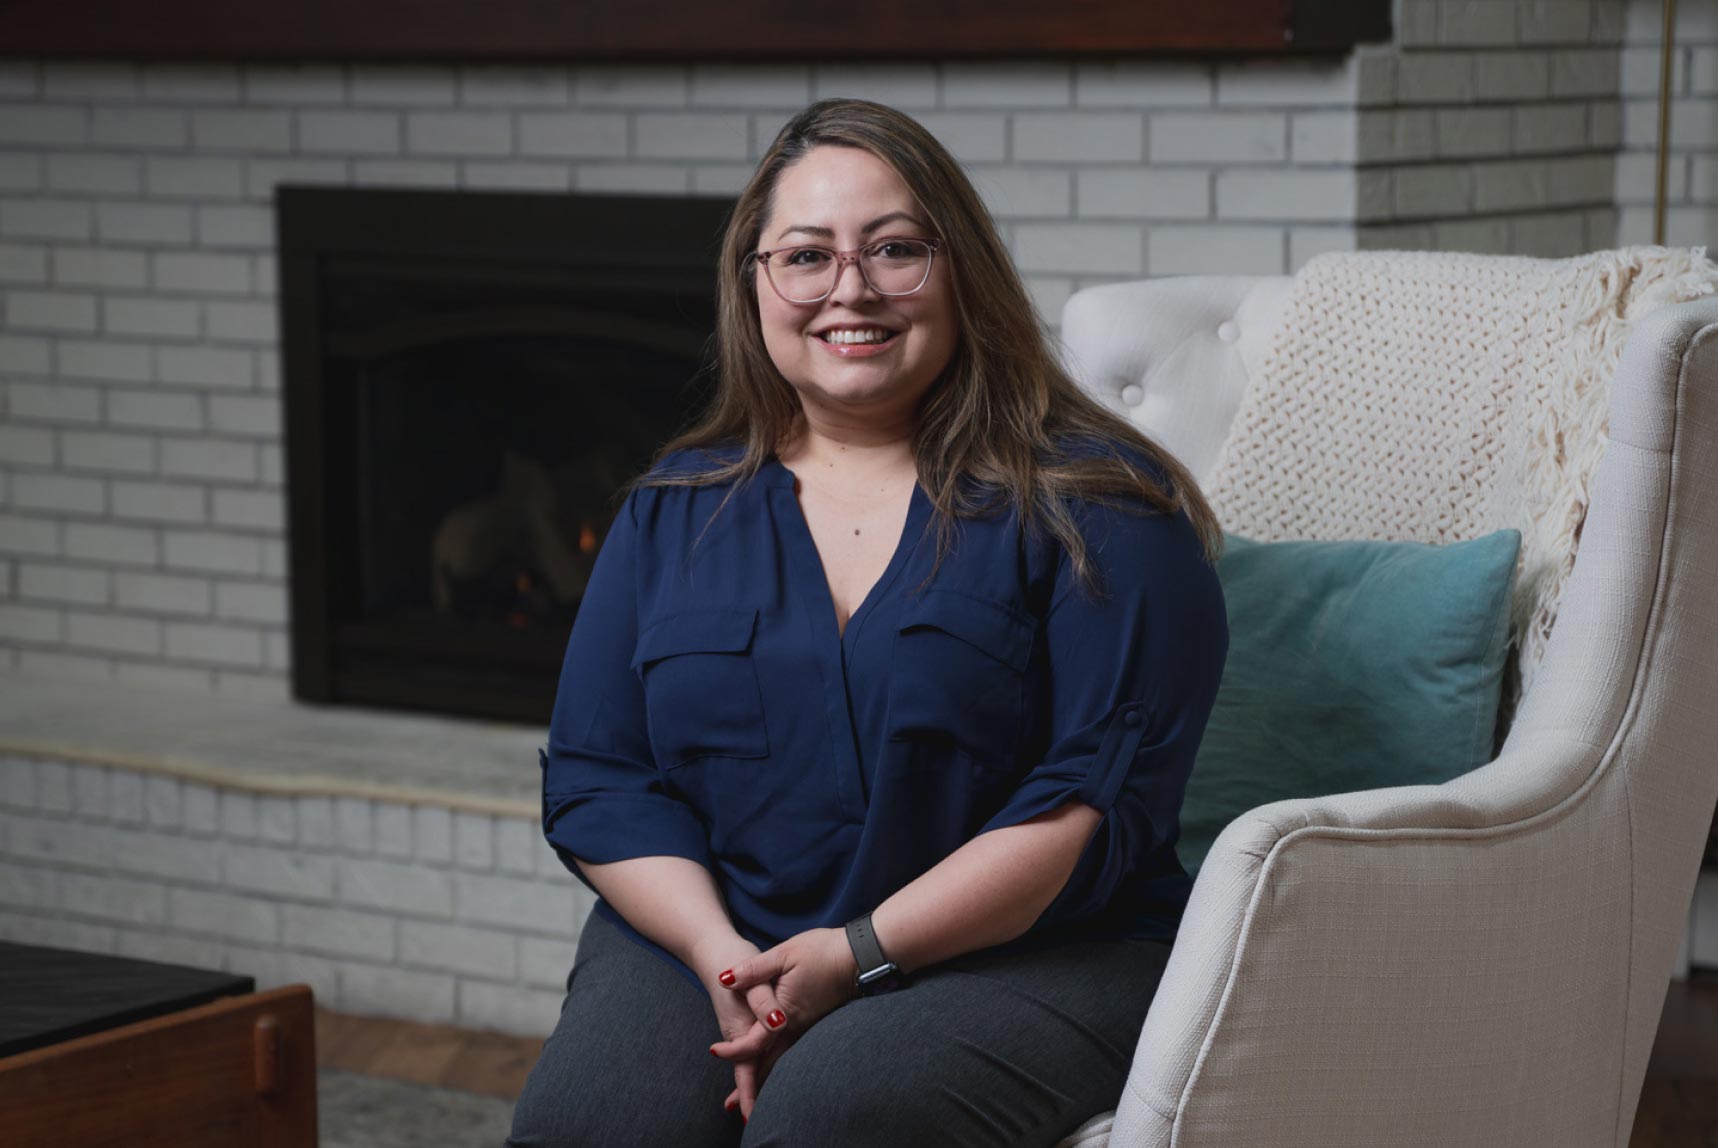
1350,963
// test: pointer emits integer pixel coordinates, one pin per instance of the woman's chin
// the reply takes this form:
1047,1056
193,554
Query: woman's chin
862,387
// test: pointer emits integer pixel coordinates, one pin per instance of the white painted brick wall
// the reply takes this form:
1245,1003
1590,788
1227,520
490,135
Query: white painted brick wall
111,860
113,898
159,410
251,601
113,633
458,949
212,552
393,827
141,442
210,459
1079,137
225,916
1692,216
1219,137
338,932
214,644
1502,116
122,799
29,535
474,841
107,452
408,889
162,594
432,833
504,1007
392,991
1291,195
53,582
160,502
113,360
1233,250
162,801
53,492
1148,192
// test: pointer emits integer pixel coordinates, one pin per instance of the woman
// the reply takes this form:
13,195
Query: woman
795,745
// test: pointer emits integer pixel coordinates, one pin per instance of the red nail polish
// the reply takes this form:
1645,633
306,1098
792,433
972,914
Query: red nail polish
727,977
776,1019
715,1054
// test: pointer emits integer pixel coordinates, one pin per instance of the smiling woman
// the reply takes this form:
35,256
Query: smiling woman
894,313
887,828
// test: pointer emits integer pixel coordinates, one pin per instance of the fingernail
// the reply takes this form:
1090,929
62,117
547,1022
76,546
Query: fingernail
714,1053
730,1106
727,977
776,1019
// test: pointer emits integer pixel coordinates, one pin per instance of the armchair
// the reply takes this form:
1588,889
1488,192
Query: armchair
1479,962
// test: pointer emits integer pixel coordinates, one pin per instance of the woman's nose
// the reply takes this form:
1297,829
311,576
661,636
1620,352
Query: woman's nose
850,285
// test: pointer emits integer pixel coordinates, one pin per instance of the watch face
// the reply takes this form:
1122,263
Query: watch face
883,979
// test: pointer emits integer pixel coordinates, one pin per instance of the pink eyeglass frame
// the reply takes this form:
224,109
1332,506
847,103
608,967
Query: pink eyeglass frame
842,259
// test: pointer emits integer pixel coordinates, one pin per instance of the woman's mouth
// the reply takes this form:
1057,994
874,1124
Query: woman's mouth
857,343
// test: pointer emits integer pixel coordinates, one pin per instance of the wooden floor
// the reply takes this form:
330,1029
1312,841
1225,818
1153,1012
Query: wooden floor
1678,1105
484,1062
1679,1102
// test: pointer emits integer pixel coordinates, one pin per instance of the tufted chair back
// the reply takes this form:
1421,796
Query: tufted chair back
1175,356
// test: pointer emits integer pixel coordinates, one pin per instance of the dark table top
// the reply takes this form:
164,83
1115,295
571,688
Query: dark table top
52,995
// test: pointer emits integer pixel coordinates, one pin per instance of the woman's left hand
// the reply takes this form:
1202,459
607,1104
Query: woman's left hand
813,974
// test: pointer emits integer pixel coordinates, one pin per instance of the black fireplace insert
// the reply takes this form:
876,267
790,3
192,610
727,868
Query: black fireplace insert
469,378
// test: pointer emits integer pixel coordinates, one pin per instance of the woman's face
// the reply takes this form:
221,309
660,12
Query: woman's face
827,198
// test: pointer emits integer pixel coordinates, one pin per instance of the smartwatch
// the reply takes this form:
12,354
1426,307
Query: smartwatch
877,973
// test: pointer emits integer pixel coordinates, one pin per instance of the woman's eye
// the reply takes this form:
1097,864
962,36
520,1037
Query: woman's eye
804,257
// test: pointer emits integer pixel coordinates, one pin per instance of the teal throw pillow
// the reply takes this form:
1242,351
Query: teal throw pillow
1352,665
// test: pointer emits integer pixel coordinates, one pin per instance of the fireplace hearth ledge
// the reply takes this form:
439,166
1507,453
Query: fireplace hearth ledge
282,748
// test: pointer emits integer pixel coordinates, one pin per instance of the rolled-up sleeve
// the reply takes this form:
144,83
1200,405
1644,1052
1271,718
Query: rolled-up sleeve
603,798
1131,678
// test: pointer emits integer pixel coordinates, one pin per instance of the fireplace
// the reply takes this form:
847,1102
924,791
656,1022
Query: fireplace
469,378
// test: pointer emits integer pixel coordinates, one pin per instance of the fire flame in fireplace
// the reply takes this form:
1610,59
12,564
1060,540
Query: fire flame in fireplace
515,555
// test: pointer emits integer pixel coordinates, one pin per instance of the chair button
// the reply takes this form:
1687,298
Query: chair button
1228,331
1131,717
1133,394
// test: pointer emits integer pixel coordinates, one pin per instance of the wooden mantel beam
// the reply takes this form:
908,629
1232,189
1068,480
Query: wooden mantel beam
551,31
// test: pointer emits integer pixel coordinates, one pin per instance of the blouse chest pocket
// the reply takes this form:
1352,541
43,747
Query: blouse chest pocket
701,691
959,674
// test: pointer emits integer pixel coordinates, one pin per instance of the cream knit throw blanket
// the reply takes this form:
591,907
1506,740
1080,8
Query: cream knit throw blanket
1437,397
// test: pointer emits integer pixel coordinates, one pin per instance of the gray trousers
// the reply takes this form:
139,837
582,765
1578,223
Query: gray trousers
1001,1050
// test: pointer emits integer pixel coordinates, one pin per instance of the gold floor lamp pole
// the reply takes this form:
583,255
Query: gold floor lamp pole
1666,54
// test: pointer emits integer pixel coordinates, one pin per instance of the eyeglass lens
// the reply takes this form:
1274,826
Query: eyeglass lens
893,267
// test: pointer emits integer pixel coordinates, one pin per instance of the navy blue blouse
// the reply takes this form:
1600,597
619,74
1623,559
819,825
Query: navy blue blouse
709,708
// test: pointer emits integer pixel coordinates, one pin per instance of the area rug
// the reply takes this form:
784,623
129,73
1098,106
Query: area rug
355,1111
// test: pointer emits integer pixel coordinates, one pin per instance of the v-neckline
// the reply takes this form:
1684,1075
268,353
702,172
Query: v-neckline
917,502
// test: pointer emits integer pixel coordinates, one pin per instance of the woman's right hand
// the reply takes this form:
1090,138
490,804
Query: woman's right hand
734,1013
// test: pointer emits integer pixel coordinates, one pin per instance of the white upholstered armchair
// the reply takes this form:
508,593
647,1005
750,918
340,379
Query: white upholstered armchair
1484,961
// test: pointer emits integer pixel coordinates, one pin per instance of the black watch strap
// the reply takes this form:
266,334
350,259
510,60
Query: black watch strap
877,973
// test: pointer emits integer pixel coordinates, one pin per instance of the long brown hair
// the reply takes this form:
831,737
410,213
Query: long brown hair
1005,421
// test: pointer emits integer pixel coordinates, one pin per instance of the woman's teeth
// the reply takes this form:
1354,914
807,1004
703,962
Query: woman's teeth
873,336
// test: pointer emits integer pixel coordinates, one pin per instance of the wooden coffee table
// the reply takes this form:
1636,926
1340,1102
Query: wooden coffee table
99,1050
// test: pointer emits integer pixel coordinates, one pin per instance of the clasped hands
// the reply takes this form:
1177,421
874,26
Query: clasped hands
765,1001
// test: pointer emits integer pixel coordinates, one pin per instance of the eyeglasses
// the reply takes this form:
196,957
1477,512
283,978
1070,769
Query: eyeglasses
809,274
